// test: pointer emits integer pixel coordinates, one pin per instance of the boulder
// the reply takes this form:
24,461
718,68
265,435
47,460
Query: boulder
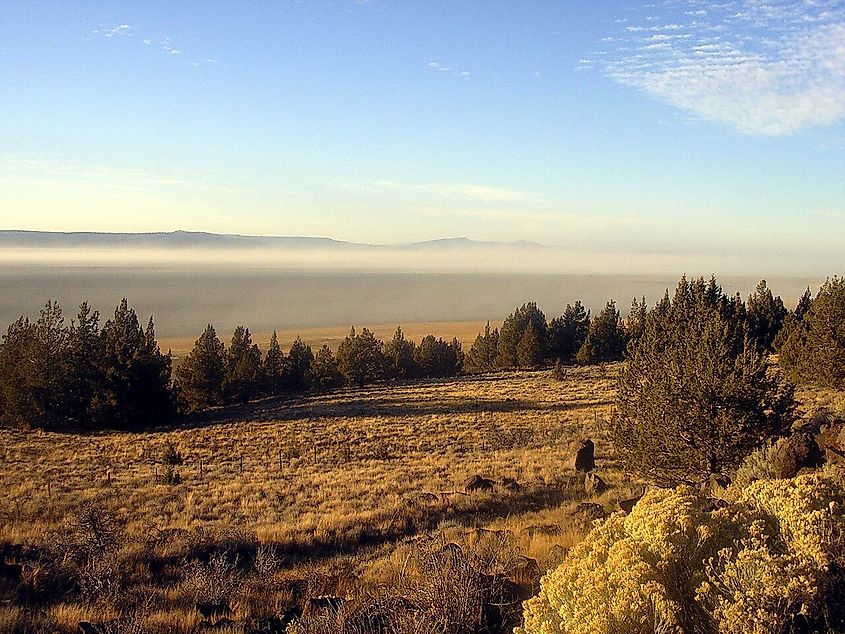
594,485
584,459
798,451
831,441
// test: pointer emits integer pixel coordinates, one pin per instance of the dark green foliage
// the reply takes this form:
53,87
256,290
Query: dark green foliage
243,372
803,306
361,358
635,325
171,455
400,357
696,395
34,371
274,367
568,332
136,382
201,374
605,339
482,354
766,315
529,351
436,358
298,365
324,375
813,352
85,350
513,330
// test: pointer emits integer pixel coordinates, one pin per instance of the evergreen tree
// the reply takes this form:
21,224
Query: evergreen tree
361,358
482,354
324,375
568,332
436,358
201,374
635,326
400,356
814,350
513,329
605,339
803,305
529,353
274,366
766,315
299,363
136,375
696,395
85,353
34,371
243,373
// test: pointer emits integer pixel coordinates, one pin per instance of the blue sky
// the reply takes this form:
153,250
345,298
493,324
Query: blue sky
708,129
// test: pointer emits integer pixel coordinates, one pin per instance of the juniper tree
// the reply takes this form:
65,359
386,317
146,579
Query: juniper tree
568,332
323,374
814,350
513,329
243,372
85,351
436,358
400,356
605,338
361,358
200,376
635,325
274,366
766,315
696,394
136,378
529,353
299,362
482,354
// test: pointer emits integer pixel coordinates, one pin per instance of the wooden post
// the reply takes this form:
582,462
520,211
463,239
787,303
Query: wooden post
156,473
242,464
315,452
280,459
200,470
108,477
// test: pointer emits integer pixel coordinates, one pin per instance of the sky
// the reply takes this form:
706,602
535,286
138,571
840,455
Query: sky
708,131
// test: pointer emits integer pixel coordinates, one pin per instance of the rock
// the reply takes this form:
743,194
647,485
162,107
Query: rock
584,459
509,484
628,504
594,485
590,511
796,452
715,482
831,441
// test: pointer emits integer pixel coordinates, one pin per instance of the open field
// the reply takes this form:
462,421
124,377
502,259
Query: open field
464,331
339,488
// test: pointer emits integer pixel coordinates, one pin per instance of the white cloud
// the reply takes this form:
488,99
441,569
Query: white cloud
147,41
764,69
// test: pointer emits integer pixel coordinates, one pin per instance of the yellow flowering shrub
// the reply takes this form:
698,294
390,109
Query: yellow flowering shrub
676,565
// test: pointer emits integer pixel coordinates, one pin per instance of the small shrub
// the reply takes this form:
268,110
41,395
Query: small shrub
170,455
758,465
170,476
560,371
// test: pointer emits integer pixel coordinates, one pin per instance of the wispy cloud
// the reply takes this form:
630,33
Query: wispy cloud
764,68
164,44
440,68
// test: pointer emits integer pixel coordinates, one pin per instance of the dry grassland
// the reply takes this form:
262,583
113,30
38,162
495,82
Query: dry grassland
464,331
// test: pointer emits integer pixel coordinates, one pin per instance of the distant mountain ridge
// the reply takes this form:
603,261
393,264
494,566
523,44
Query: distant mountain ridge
202,239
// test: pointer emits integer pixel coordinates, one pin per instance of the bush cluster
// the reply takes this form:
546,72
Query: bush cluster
771,561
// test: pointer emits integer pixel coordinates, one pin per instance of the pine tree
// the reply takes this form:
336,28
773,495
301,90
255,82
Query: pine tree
528,351
605,339
274,366
299,362
568,332
86,372
361,358
814,350
136,375
513,329
482,354
201,374
696,395
436,358
323,375
803,305
766,315
243,373
400,356
635,325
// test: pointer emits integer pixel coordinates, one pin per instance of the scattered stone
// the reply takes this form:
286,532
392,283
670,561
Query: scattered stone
594,485
796,452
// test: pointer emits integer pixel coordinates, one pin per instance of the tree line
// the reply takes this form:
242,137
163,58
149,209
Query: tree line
60,375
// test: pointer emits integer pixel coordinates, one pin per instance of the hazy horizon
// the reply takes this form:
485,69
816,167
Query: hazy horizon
628,136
